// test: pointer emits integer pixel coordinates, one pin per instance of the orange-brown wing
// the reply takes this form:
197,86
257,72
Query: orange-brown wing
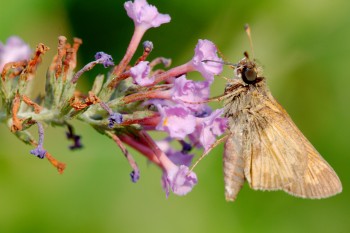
279,157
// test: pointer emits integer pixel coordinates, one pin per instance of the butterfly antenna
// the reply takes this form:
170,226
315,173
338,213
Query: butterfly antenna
224,78
247,30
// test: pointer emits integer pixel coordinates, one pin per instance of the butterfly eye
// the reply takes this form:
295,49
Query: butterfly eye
249,75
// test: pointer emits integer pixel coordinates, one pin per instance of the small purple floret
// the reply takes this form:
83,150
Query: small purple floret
135,176
176,120
144,14
209,128
148,45
115,118
186,147
75,138
76,142
188,92
180,158
104,59
177,157
140,74
39,152
204,112
180,180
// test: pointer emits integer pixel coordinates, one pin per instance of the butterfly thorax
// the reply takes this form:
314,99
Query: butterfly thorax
246,92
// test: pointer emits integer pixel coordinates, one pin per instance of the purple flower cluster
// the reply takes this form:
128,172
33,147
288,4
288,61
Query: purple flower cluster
133,100
183,113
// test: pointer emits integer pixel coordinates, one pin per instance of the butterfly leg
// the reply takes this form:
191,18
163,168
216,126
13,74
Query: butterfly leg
224,138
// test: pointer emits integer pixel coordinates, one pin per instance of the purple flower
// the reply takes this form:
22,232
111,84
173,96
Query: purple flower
140,73
14,50
147,45
104,58
100,58
206,50
75,138
115,118
176,120
178,180
135,176
39,150
205,112
145,15
190,91
164,144
76,143
208,128
186,147
177,157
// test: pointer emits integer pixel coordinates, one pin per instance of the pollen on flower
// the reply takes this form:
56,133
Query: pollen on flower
165,121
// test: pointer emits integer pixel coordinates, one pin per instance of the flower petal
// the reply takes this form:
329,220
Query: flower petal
140,74
182,182
144,14
14,50
176,120
188,91
206,50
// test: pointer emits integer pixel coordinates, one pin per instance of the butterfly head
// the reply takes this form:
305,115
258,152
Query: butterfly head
248,70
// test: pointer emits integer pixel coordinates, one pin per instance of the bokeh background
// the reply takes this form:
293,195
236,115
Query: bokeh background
304,49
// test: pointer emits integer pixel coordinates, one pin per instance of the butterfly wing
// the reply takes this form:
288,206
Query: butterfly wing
233,164
279,157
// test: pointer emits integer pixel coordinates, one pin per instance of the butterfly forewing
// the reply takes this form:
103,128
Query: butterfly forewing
272,158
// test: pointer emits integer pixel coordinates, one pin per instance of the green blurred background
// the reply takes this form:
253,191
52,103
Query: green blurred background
304,49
